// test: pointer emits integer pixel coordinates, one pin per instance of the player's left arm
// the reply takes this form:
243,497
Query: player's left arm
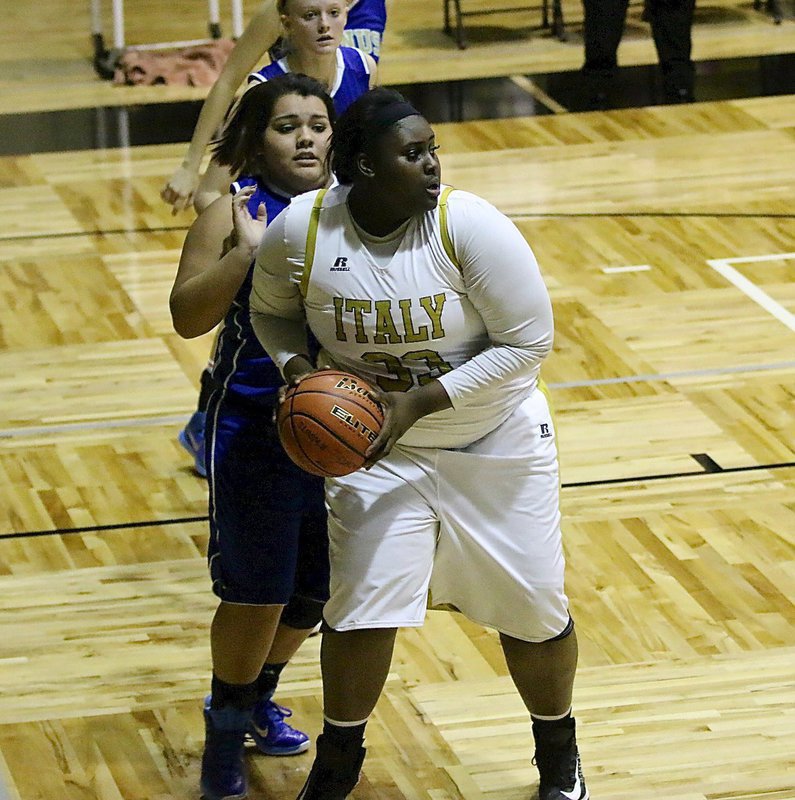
505,285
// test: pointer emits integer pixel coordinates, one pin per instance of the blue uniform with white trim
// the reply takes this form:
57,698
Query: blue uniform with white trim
268,535
364,29
352,79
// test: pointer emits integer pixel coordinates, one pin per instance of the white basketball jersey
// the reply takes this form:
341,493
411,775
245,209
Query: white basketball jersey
400,325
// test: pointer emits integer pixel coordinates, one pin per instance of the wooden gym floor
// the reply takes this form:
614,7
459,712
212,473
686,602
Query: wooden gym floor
667,240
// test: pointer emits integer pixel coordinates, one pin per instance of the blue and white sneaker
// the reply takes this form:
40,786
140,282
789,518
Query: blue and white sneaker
191,437
271,734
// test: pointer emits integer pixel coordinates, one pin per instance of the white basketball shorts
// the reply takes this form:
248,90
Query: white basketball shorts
479,528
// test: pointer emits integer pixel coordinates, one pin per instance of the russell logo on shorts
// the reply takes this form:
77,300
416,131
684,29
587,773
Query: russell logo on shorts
545,432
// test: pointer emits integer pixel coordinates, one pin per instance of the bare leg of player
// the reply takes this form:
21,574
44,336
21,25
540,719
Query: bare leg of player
286,643
241,637
355,666
543,672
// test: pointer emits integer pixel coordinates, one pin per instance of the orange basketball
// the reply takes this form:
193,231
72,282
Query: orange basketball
327,422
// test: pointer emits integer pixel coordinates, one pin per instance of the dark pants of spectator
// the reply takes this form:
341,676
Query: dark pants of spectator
671,24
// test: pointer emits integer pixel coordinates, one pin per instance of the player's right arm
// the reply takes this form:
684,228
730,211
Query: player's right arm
259,34
277,313
213,264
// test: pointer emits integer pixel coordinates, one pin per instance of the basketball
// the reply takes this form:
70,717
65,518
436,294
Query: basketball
327,421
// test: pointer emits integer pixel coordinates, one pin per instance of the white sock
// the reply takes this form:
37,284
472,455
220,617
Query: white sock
542,718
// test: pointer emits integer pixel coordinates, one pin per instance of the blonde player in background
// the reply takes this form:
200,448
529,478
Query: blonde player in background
442,305
364,30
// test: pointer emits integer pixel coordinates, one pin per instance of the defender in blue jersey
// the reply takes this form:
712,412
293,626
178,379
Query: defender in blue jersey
364,30
268,550
316,29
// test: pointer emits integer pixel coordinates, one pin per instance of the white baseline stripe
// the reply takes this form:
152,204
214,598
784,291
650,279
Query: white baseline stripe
751,259
7,791
751,290
636,268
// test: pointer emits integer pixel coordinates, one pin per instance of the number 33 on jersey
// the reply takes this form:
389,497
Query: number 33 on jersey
400,343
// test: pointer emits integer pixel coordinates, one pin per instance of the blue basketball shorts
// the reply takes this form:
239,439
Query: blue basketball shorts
268,534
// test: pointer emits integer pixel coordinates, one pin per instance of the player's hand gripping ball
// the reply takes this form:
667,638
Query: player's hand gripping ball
327,421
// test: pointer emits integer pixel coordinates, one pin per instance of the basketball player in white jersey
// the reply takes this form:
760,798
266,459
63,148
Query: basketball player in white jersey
434,296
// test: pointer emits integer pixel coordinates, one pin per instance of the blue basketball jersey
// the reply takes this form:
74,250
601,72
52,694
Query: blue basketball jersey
365,26
268,539
352,81
240,364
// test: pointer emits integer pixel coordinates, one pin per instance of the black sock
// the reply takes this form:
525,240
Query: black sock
543,726
268,679
344,737
241,696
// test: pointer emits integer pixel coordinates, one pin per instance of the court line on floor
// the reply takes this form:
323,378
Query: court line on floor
21,237
116,526
667,376
652,214
723,266
710,470
69,427
175,419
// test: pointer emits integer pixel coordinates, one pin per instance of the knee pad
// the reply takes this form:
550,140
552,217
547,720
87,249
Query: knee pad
567,631
302,612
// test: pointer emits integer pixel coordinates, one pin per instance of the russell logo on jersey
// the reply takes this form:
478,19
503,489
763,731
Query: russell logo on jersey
340,264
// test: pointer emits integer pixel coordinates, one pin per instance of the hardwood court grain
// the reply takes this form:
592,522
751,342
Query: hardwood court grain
680,578
644,709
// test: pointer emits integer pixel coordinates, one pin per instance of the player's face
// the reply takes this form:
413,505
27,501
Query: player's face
315,26
406,167
295,144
